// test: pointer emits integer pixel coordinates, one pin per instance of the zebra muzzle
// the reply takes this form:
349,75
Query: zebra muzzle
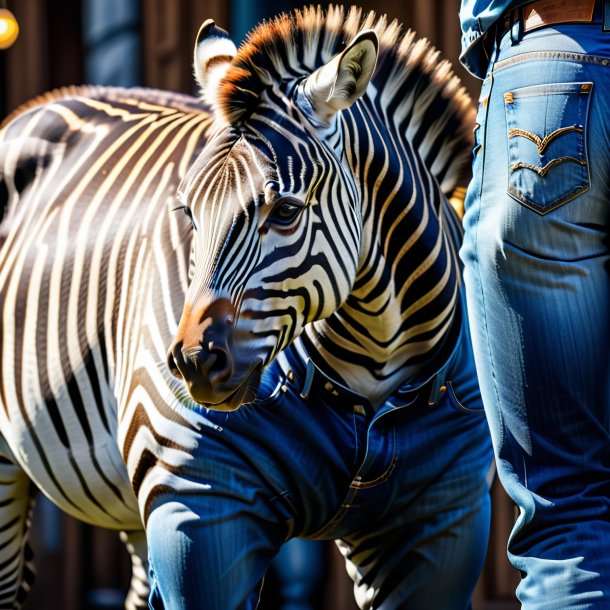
211,366
210,377
201,354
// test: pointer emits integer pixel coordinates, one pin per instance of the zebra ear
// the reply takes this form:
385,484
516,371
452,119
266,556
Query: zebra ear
339,83
214,51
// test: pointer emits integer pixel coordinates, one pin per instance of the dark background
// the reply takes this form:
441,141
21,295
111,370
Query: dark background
149,42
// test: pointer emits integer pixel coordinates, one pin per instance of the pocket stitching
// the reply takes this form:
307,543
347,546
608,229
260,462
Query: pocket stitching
543,143
461,408
544,209
515,155
542,171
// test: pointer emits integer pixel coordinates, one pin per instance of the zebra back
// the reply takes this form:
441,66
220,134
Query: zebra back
93,263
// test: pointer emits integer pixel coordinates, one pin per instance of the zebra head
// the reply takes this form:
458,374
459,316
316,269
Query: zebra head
275,211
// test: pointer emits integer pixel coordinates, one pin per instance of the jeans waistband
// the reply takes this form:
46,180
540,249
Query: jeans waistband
310,381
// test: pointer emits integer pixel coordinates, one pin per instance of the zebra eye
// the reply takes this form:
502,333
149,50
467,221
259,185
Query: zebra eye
189,213
286,211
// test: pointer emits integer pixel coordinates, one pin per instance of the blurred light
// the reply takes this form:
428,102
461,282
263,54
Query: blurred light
9,29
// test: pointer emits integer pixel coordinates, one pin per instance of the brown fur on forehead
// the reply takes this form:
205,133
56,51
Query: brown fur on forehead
295,44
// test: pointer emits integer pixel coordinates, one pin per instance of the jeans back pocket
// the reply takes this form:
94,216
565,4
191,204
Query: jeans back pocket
547,154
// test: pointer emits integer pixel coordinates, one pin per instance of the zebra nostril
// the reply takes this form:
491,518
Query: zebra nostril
196,357
214,363
172,366
221,365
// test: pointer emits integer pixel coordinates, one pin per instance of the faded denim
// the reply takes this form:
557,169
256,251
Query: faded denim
537,257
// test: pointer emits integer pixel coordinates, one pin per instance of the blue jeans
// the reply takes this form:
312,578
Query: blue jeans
403,489
297,576
536,253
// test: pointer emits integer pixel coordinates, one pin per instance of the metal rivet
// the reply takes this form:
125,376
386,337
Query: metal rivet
284,388
290,376
328,386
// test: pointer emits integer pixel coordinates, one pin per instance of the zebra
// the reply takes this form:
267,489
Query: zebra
85,171
288,236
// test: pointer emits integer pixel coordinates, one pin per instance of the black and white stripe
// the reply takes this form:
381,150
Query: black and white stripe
88,241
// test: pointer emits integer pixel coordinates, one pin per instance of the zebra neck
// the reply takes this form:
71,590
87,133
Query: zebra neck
372,367
400,317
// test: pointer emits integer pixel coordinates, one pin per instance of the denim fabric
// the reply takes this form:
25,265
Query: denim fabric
536,256
404,488
296,578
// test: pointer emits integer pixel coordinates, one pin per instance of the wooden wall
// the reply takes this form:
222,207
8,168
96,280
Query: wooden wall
79,566
49,51
47,54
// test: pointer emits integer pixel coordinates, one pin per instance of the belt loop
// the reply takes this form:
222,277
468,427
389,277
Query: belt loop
521,18
511,25
606,27
309,375
516,25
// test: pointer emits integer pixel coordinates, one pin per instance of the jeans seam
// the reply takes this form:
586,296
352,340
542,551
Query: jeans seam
462,407
475,249
384,476
358,484
356,439
338,517
542,210
502,64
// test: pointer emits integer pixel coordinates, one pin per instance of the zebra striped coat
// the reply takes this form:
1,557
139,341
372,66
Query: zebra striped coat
99,273
93,267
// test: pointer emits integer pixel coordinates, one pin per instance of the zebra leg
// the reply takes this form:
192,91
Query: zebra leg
16,557
139,590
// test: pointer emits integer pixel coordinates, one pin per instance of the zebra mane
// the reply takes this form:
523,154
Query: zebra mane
293,45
